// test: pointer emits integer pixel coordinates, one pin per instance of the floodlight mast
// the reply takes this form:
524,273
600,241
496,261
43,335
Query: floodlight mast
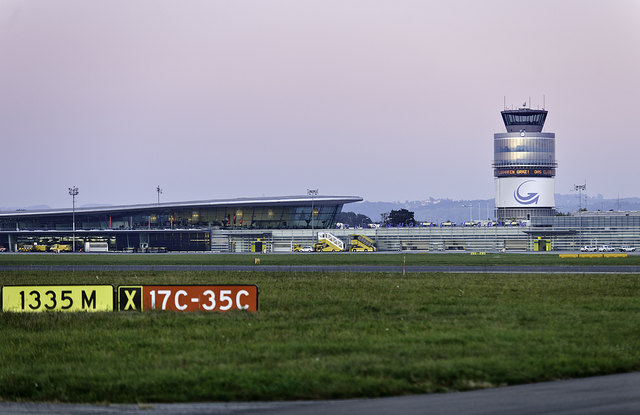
73,191
312,193
159,190
579,188
470,206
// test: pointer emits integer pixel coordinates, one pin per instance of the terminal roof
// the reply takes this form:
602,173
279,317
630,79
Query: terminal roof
245,202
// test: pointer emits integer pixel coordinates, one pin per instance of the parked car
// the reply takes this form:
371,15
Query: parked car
306,249
606,248
428,224
627,249
588,248
2,249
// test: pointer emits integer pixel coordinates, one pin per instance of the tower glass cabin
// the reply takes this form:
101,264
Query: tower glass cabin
524,166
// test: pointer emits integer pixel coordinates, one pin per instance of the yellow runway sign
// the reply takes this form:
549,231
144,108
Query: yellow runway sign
34,298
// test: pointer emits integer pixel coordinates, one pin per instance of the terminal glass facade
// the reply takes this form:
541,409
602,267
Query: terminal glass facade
186,226
232,217
524,119
515,150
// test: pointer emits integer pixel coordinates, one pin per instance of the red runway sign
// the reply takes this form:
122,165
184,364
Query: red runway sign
188,297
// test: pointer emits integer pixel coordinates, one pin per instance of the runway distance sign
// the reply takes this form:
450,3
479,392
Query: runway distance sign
35,298
188,297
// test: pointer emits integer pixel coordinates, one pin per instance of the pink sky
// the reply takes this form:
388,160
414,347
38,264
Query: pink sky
387,100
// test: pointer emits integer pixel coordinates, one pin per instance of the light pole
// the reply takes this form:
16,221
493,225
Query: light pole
159,190
312,193
580,188
470,206
73,191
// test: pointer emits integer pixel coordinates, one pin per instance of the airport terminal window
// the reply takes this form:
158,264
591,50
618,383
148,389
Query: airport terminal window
524,119
182,218
524,151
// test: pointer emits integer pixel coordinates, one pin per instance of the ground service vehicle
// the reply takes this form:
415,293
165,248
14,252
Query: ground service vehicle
60,248
40,248
324,247
328,242
3,249
360,243
99,246
627,249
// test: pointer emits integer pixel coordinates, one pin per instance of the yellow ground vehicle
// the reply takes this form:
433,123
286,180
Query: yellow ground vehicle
360,243
25,248
324,247
40,248
60,248
328,242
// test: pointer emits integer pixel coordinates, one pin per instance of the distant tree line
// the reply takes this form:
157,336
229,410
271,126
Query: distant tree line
354,219
401,217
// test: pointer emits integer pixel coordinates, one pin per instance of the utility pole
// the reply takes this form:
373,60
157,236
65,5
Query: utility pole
470,206
73,191
579,188
312,193
159,190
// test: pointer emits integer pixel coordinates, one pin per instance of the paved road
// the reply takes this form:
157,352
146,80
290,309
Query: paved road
518,269
610,395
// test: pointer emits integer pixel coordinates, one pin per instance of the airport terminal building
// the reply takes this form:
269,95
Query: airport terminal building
524,176
280,223
182,226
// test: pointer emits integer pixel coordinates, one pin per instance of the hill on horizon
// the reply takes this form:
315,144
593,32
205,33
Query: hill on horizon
440,210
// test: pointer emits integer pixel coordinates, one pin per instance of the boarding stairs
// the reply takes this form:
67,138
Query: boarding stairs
362,242
331,240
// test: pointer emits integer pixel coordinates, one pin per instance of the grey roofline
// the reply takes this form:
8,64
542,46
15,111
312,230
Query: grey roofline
524,111
527,135
244,201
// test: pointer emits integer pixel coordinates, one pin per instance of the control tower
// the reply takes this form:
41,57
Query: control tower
524,163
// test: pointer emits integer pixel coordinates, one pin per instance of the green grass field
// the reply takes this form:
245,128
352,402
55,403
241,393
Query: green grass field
323,336
314,258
